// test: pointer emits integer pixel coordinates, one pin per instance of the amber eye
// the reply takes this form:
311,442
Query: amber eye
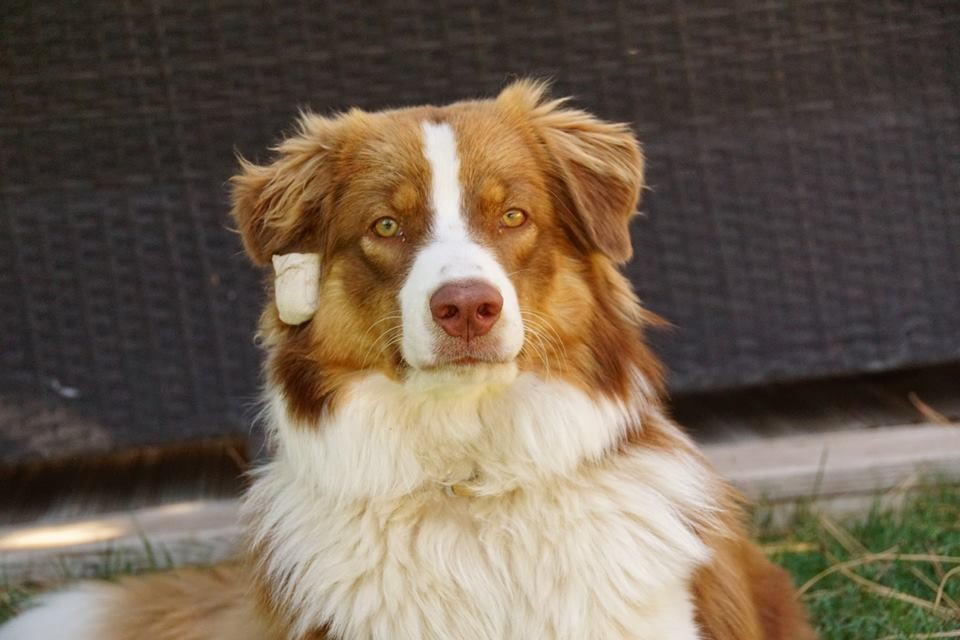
513,218
386,227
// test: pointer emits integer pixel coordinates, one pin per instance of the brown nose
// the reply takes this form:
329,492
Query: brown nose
466,309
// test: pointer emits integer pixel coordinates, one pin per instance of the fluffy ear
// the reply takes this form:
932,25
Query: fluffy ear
599,165
273,203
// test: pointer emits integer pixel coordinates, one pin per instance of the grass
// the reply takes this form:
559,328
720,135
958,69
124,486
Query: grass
11,600
894,575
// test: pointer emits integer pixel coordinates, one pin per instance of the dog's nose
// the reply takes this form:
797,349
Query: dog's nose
466,309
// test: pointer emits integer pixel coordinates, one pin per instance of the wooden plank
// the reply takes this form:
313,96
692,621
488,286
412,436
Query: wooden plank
820,406
122,481
840,462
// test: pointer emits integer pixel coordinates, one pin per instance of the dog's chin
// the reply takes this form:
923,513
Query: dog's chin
461,373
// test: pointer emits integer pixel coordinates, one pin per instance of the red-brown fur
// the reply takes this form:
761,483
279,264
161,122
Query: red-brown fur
555,161
580,178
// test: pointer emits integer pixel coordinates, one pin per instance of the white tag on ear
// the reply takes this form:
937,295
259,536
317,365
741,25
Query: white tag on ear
296,286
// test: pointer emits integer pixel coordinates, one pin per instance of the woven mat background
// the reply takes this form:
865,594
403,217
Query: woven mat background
804,160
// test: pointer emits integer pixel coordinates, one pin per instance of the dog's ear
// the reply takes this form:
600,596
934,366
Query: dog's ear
277,206
598,165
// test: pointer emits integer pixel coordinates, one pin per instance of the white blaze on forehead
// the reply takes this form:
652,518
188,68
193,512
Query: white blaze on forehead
451,254
440,149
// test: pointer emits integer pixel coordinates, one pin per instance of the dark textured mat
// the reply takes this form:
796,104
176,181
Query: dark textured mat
804,164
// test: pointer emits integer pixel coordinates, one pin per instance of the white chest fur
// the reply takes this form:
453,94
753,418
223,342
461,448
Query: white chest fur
558,540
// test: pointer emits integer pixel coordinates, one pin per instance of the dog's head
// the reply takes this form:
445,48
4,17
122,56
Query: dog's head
451,240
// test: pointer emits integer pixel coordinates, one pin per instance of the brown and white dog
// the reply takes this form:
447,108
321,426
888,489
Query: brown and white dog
469,441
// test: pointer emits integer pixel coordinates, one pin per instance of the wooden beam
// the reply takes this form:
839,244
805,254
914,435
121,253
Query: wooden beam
839,463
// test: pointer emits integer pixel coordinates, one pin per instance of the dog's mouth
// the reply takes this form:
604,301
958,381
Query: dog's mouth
463,353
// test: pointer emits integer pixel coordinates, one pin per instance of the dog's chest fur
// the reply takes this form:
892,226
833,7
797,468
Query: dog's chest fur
601,546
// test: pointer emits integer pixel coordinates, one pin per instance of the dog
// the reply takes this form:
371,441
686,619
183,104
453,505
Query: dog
468,435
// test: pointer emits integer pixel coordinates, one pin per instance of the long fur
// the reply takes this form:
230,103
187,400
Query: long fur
537,491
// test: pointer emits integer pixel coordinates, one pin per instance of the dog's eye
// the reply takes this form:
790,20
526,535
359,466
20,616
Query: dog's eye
386,227
513,218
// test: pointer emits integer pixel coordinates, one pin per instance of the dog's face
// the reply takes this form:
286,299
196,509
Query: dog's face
449,239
